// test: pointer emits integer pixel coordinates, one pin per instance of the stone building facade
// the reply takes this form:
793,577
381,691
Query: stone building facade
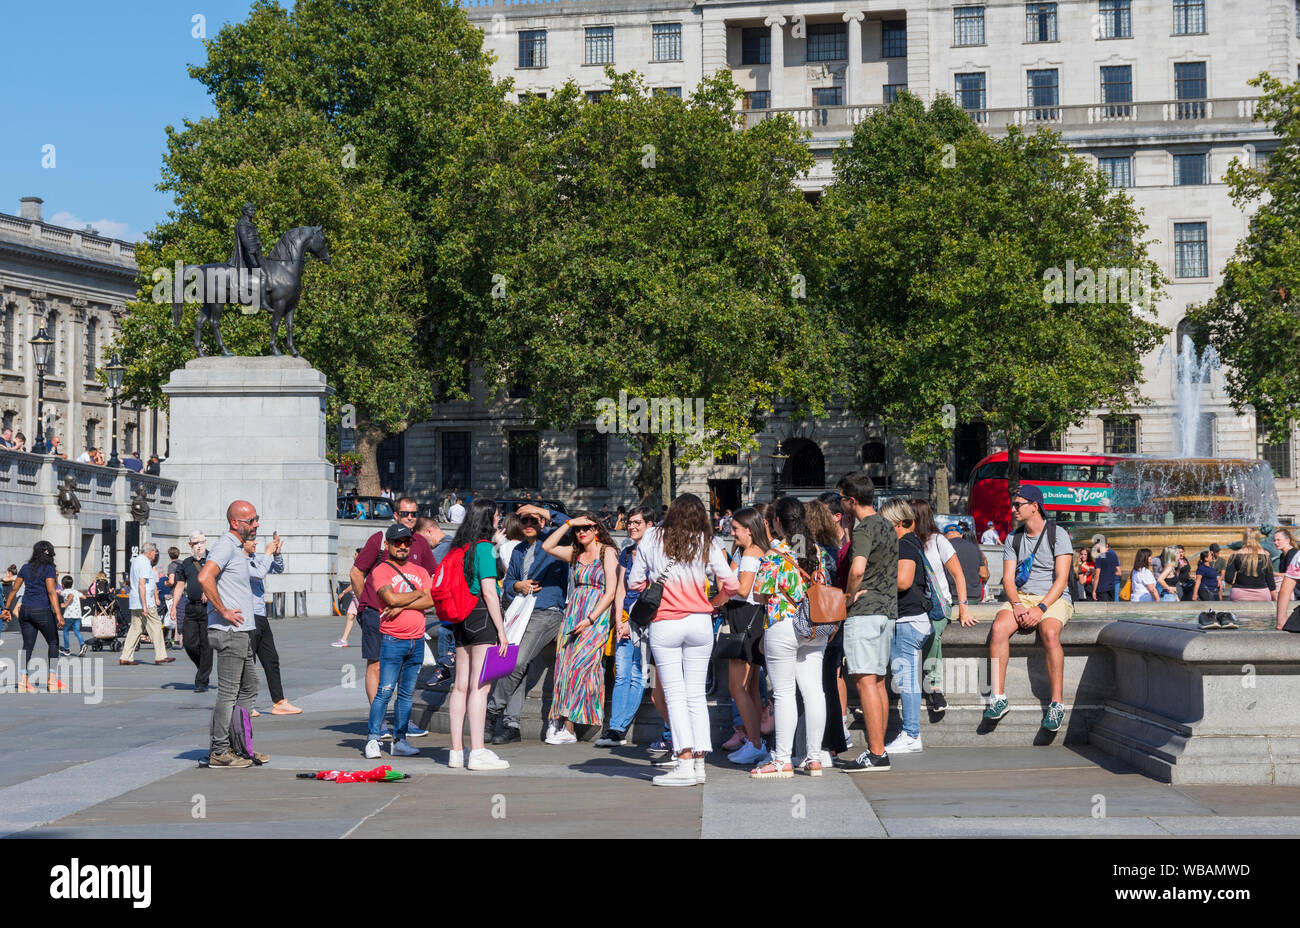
1153,91
76,283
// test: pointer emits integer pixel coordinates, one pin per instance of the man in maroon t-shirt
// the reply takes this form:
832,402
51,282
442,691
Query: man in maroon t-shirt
369,607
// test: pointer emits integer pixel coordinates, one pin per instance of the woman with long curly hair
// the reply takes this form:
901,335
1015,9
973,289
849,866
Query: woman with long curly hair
682,553
580,649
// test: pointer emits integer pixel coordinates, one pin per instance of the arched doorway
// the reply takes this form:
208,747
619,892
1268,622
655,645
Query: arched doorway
806,467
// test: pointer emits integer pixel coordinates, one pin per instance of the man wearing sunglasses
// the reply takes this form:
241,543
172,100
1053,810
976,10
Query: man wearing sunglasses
406,513
531,571
193,612
1036,563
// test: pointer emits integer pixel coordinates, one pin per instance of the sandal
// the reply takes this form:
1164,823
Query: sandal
25,687
811,767
54,686
772,771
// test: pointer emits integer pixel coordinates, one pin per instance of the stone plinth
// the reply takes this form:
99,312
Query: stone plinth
254,429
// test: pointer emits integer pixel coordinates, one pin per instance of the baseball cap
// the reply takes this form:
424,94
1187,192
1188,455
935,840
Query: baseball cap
397,532
952,527
990,523
1030,494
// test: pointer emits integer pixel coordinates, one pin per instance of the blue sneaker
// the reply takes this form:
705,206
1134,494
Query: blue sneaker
415,731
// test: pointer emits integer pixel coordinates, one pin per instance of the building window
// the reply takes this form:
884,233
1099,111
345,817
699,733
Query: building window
600,45
1189,17
668,92
731,457
971,94
827,42
1044,93
1277,456
523,460
8,333
593,458
1189,89
968,25
1119,434
758,99
52,329
524,97
92,333
1116,19
1261,159
1040,22
1117,91
1118,171
129,438
1189,170
893,38
92,434
1190,250
755,46
595,96
890,92
455,461
532,49
667,40
828,96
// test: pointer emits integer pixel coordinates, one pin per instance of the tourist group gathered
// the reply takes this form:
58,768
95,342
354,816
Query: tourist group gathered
780,609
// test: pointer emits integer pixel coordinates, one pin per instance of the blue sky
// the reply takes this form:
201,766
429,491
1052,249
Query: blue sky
100,82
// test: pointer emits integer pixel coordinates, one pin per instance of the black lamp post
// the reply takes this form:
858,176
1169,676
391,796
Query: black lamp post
778,461
41,344
115,369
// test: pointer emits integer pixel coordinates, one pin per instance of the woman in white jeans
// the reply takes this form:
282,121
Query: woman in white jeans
682,552
791,661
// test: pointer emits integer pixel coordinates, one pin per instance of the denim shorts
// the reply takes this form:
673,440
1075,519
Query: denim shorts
867,639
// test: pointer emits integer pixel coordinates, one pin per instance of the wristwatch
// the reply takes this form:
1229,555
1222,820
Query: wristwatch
963,602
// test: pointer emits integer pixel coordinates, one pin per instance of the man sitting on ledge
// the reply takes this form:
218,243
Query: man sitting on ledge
1036,580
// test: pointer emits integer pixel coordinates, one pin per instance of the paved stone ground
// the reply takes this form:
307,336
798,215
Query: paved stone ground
126,766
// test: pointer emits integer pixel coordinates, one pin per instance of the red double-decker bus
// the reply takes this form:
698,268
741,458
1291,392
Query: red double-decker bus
1076,487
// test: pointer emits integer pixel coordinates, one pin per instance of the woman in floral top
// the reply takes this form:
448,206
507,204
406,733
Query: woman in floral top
791,662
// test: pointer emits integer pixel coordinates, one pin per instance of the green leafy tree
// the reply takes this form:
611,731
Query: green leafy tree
643,244
1253,320
343,115
941,274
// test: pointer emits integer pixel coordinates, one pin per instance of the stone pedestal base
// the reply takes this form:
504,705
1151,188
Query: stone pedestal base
254,429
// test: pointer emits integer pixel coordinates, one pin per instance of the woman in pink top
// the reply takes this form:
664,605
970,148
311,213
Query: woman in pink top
682,552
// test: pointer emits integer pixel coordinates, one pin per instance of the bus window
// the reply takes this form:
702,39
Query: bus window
1077,473
995,470
1039,470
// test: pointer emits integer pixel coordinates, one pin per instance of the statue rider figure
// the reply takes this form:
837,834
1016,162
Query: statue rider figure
247,256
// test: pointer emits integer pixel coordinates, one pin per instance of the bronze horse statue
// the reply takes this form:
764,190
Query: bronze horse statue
278,287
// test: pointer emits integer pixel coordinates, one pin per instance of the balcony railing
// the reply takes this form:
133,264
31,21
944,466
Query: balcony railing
1183,114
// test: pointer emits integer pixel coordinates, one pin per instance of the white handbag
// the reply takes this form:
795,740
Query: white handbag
521,609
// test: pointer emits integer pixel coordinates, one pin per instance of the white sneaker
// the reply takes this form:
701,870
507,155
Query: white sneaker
372,750
699,769
456,760
562,736
747,755
904,744
551,728
848,737
388,732
483,759
402,749
681,775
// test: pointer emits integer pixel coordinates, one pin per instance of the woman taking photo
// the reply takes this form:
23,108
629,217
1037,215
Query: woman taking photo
580,649
482,629
40,614
792,663
1167,582
1250,571
1142,580
682,553
744,613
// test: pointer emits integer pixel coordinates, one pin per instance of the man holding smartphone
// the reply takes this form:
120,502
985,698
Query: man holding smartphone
531,572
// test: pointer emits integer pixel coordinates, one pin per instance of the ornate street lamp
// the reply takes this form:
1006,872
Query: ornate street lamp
778,461
115,369
41,344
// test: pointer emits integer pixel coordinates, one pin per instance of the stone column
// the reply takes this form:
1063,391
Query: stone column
853,92
776,65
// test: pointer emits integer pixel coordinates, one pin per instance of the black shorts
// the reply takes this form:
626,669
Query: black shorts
476,629
747,618
371,637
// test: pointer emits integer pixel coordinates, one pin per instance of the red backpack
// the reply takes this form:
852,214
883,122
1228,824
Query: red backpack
451,596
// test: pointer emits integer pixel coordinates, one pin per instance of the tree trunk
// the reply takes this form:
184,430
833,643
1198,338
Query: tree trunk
369,437
649,478
1013,470
941,492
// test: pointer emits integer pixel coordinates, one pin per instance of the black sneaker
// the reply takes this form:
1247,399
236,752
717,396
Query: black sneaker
1207,620
490,726
507,735
938,705
866,761
1226,619
200,688
612,738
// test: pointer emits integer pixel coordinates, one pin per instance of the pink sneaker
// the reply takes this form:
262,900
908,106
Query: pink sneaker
735,741
341,643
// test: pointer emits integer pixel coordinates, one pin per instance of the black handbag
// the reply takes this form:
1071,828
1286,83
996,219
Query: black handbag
645,608
1293,621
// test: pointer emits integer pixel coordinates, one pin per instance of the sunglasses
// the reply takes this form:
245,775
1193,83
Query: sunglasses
584,528
407,514
252,521
402,543
1017,505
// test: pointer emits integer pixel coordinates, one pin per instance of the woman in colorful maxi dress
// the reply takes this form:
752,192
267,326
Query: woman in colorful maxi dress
579,695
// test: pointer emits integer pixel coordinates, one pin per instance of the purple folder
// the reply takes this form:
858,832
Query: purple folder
495,667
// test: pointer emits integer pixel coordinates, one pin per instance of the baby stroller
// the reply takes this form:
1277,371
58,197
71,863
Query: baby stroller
106,625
